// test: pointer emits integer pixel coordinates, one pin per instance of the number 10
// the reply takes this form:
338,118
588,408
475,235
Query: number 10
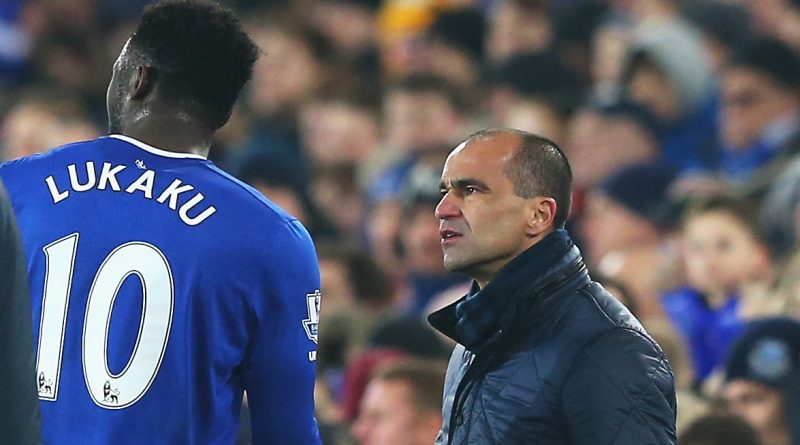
112,391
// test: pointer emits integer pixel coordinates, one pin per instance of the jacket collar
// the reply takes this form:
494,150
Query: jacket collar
484,315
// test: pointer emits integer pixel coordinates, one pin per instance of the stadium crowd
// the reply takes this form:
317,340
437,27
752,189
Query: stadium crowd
681,120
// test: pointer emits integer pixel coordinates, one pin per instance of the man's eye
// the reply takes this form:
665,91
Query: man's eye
443,192
470,190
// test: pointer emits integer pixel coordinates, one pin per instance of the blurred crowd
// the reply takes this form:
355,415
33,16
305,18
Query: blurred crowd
681,120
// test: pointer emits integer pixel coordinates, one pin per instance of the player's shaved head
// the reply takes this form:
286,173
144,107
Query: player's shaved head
199,55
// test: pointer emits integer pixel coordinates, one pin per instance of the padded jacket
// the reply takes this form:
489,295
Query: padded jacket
565,364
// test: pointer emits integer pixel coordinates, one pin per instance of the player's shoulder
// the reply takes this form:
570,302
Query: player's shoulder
247,199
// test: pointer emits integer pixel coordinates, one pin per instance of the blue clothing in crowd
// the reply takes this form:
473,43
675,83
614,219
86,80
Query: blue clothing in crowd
709,332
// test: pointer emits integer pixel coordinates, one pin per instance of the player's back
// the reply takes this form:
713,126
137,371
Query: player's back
161,288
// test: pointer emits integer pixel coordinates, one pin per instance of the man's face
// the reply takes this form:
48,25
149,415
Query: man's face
117,89
751,101
388,417
653,89
761,407
483,224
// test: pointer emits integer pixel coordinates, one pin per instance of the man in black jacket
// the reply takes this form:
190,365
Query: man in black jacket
545,355
19,405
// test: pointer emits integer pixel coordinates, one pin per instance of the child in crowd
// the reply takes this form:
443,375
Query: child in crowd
729,272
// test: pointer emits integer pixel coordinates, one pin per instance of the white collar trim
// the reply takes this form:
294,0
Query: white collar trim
154,150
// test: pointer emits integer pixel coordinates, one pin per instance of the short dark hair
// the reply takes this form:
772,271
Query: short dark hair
539,168
201,56
425,379
740,208
771,57
719,429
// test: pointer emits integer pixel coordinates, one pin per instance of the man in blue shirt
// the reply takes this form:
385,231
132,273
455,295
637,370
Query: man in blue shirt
162,287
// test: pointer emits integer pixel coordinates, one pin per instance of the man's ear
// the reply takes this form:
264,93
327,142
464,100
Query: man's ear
142,82
542,212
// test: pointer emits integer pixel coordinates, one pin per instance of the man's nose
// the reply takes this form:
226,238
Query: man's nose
447,207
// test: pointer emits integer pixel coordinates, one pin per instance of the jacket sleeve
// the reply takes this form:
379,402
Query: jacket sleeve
620,391
19,404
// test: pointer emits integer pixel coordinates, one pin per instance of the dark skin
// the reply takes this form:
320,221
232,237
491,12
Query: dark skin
137,110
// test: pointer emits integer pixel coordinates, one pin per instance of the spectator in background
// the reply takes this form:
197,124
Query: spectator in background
668,72
339,126
762,380
358,295
19,405
42,119
282,81
340,130
335,190
780,211
725,27
603,139
778,19
519,27
391,339
760,125
534,92
610,45
67,56
575,25
625,226
454,47
780,221
719,429
402,405
421,113
729,272
401,27
350,26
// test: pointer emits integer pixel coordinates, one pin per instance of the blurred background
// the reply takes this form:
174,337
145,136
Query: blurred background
681,120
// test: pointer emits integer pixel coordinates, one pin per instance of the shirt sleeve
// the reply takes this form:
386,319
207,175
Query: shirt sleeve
279,369
620,391
19,409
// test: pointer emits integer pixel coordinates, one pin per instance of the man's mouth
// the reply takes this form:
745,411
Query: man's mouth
447,234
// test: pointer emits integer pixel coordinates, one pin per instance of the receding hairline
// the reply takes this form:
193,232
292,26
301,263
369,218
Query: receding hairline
535,165
489,135
494,133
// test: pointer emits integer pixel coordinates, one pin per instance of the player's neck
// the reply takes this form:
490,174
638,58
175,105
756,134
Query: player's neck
171,132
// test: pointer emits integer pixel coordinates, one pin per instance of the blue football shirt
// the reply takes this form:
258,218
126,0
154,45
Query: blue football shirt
163,288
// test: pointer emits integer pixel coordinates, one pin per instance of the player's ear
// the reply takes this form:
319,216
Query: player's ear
142,81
